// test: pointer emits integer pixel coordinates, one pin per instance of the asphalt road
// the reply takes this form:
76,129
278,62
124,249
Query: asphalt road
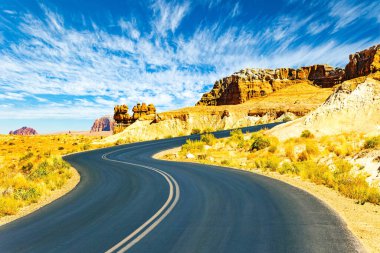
127,201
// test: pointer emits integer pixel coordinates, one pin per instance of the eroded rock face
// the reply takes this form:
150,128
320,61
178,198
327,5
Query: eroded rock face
363,63
24,131
105,123
121,115
250,83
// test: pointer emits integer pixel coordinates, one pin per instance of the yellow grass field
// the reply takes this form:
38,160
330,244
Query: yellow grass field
31,167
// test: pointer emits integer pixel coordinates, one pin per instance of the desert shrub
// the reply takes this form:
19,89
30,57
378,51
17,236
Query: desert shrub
193,146
373,142
225,162
286,168
209,139
41,170
27,167
312,148
202,157
208,130
286,119
303,156
61,148
26,157
289,151
195,131
268,162
119,142
86,146
30,194
306,134
260,143
317,173
236,135
272,149
8,205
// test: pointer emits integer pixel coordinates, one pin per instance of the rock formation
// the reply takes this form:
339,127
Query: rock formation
250,83
123,119
105,123
24,131
363,63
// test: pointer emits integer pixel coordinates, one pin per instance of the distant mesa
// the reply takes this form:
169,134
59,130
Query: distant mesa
24,131
251,83
105,123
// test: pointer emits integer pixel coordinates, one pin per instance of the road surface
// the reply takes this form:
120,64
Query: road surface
129,202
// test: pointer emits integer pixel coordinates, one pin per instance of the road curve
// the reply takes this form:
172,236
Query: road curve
129,202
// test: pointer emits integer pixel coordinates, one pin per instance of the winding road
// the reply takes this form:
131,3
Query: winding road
129,202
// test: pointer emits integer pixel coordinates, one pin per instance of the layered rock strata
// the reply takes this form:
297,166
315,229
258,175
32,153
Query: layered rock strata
251,83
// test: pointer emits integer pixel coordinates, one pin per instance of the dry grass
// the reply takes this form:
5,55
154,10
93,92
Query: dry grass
322,161
31,167
318,165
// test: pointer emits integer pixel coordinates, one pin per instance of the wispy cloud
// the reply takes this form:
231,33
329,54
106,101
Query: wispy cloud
347,12
167,16
93,69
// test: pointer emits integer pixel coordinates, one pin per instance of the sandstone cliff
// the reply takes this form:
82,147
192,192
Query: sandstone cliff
105,123
24,131
252,83
363,63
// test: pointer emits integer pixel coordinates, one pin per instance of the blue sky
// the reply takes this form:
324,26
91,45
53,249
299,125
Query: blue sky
65,63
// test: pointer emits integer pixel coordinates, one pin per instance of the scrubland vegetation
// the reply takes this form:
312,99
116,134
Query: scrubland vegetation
31,167
326,161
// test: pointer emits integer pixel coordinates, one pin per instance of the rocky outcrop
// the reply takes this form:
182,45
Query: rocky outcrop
250,83
363,63
123,119
354,106
105,123
24,131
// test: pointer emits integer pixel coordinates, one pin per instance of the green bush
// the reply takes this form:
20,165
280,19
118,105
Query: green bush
209,139
373,142
193,146
236,135
306,134
260,143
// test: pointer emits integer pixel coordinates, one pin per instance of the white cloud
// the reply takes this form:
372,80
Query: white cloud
346,12
96,69
316,28
168,16
12,96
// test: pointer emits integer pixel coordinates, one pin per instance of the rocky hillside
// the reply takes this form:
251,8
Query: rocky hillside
297,93
286,104
252,83
24,131
105,123
354,106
